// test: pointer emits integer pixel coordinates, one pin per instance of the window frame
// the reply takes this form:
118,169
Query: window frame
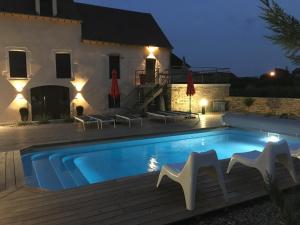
7,73
69,52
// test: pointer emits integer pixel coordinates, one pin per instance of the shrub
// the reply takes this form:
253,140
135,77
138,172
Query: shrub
249,102
24,114
79,110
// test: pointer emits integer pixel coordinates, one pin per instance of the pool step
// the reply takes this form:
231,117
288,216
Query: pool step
78,178
61,171
45,175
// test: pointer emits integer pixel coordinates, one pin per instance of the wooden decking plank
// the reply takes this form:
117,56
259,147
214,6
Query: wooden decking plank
19,173
10,171
2,171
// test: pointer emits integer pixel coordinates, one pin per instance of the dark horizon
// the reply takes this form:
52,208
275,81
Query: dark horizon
215,33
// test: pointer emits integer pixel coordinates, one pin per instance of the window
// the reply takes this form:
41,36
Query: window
114,103
114,64
17,64
63,65
46,8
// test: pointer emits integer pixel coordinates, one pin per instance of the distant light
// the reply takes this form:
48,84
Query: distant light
204,102
152,165
272,73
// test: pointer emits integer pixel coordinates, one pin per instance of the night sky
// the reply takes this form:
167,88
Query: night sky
215,33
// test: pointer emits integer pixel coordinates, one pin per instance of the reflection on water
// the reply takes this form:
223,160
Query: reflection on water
152,165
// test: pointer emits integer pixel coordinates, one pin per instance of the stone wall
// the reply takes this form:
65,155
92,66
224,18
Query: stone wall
178,100
275,106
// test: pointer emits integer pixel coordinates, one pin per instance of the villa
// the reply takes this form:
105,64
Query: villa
58,54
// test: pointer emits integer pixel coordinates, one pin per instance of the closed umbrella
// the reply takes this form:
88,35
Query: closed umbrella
190,90
114,90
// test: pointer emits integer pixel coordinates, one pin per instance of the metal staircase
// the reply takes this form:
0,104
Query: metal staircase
144,93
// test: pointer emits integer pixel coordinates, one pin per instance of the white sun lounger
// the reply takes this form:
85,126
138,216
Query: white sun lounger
130,119
265,161
103,119
295,153
163,116
84,120
186,174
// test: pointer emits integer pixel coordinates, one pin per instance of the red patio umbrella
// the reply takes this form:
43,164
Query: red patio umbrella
114,90
190,90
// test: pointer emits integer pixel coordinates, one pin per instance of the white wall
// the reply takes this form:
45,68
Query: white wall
90,63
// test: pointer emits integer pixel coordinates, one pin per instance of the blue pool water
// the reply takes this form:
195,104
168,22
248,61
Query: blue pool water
73,166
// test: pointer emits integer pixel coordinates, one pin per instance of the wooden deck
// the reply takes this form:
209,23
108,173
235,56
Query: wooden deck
128,201
11,171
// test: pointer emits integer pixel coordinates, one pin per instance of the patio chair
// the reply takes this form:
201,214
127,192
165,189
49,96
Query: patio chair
186,174
130,119
101,119
265,161
86,120
163,115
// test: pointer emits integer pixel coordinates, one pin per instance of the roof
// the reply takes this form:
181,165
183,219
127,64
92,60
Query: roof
178,62
120,26
66,9
101,23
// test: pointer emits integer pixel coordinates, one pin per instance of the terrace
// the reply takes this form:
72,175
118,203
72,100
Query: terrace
130,200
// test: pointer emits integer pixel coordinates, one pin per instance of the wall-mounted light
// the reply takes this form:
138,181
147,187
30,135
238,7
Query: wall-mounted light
79,84
151,52
203,104
19,85
20,97
78,96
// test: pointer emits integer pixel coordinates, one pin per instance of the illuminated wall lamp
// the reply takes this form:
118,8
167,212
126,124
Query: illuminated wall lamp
151,50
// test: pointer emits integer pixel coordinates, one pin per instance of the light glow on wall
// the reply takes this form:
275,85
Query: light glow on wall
151,52
79,84
19,85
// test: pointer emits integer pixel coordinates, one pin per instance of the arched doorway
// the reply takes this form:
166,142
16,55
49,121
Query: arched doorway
52,102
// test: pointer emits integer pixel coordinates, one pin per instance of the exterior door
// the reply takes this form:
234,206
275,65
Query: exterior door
51,102
46,8
150,70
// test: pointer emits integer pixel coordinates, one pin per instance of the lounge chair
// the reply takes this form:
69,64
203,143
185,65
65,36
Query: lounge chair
265,161
86,120
101,119
187,114
295,153
186,174
163,115
130,119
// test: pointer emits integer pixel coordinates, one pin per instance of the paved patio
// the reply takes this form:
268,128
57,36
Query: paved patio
15,138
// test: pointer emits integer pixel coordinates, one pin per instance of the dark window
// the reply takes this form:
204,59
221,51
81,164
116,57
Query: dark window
114,64
17,64
46,8
114,103
63,65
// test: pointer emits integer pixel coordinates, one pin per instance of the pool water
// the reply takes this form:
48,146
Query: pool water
66,167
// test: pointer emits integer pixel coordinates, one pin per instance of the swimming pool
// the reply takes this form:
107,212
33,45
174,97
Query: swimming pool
68,166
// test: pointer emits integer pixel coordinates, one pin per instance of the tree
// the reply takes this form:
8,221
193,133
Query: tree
285,28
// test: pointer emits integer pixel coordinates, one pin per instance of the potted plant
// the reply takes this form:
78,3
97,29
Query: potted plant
24,114
79,110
